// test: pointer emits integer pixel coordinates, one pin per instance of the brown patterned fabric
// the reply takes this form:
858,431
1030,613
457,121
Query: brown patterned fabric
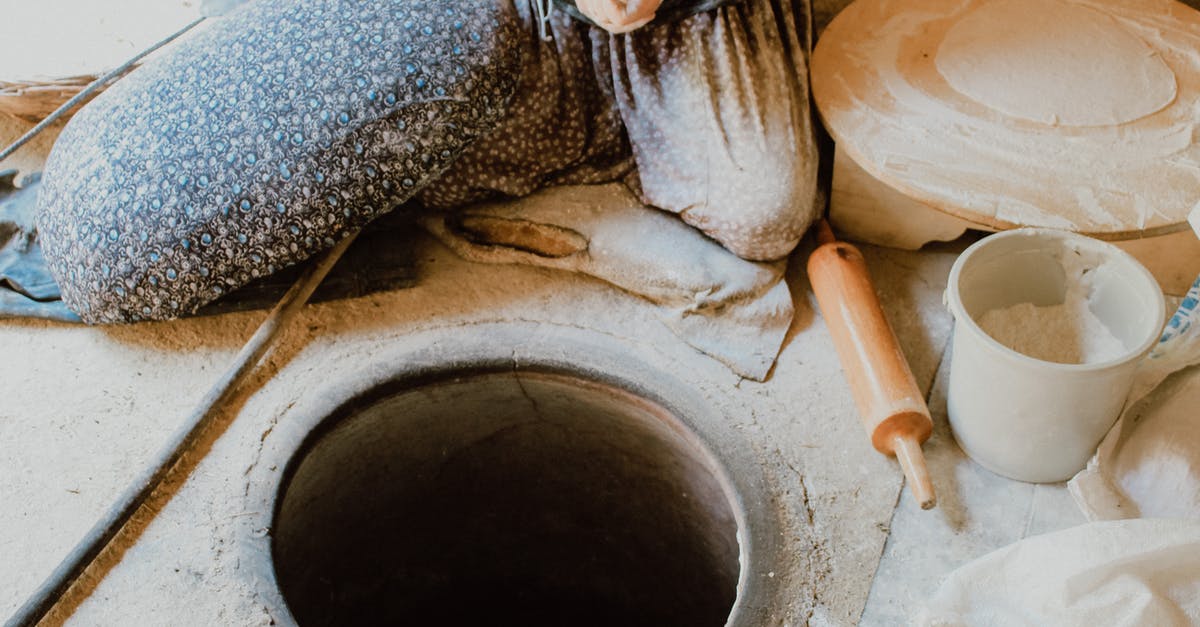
563,126
715,114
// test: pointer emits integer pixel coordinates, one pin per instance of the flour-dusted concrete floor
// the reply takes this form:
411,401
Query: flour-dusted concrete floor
84,408
978,512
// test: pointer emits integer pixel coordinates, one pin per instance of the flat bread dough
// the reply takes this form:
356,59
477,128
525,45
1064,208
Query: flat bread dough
1054,62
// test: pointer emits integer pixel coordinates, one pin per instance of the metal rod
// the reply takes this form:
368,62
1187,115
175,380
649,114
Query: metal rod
139,491
92,88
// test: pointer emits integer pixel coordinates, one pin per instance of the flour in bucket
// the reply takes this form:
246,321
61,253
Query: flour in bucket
1067,333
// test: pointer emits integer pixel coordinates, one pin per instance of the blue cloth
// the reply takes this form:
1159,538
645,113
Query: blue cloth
26,287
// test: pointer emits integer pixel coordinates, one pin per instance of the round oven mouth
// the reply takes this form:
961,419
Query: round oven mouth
513,497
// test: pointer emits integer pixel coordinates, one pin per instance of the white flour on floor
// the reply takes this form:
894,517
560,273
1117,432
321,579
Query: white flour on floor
1068,333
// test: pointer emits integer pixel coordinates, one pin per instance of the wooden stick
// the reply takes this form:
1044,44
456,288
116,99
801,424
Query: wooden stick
889,402
912,461
184,438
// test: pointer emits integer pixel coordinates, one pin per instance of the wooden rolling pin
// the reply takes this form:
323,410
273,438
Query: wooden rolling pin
889,402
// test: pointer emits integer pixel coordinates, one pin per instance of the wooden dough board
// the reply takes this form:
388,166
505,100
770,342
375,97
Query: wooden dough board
863,209
919,161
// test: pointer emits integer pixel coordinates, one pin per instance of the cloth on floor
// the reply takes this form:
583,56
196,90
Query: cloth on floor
1149,463
22,267
1118,573
261,141
26,287
715,107
731,309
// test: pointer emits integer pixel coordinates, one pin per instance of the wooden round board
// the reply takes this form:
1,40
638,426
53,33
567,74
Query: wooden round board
50,49
1080,115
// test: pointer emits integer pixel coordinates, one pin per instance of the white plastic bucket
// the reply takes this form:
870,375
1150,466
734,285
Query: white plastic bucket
1022,417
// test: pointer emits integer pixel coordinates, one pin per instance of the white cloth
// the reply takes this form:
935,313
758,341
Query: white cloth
1149,463
1115,573
734,310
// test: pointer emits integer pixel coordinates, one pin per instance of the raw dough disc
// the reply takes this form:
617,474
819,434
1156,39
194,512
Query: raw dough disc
1072,65
949,140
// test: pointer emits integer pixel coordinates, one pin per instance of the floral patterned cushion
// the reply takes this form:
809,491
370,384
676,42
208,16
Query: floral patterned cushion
261,141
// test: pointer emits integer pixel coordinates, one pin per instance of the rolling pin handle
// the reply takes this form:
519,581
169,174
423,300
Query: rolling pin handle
824,233
912,461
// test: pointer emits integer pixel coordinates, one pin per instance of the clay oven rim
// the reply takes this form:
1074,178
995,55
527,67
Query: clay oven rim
671,400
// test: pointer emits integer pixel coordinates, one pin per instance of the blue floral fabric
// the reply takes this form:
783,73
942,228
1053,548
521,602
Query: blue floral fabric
263,140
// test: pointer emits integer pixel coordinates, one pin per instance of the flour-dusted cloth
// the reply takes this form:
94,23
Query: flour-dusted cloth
1149,463
734,310
1126,573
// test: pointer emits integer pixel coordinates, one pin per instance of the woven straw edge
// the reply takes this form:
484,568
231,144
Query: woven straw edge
33,100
